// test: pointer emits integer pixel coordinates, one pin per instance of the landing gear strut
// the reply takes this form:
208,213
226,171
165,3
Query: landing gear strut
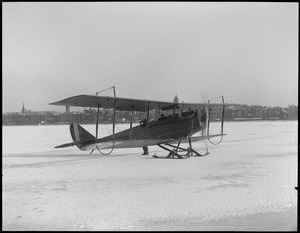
173,153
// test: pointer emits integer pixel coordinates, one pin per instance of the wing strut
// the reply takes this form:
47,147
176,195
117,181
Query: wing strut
223,113
114,120
147,121
131,118
97,123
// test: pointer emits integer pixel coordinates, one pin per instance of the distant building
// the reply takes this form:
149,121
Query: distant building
67,109
24,110
175,99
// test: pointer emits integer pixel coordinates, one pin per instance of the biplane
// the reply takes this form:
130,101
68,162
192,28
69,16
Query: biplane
175,124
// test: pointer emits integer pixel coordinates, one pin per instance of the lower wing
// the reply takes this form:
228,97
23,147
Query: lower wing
142,142
124,144
197,138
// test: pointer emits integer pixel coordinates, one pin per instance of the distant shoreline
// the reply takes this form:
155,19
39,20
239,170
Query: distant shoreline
266,120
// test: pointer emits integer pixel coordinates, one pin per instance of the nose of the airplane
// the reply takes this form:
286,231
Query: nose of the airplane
202,117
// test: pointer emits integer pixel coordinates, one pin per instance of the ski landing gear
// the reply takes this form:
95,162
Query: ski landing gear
173,153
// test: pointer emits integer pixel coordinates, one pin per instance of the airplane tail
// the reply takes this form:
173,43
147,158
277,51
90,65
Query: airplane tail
80,136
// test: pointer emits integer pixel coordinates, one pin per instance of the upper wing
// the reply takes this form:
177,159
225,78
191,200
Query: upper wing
126,104
123,104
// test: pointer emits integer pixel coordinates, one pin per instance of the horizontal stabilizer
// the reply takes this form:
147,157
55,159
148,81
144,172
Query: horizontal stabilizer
74,143
65,145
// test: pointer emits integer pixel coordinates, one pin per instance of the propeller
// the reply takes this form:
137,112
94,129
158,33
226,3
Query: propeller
205,100
203,117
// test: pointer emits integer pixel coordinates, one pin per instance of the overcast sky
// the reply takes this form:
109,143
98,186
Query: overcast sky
247,52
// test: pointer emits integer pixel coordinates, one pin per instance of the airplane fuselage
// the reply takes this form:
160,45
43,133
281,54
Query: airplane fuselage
171,127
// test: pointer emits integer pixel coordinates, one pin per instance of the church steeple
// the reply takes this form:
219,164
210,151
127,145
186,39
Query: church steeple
23,108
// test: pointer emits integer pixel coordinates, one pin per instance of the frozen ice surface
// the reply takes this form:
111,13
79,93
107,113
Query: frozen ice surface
245,183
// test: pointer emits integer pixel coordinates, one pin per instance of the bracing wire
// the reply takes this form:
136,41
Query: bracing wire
216,98
105,90
131,93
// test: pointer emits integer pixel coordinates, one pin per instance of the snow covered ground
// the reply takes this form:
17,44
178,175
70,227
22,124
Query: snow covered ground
245,183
